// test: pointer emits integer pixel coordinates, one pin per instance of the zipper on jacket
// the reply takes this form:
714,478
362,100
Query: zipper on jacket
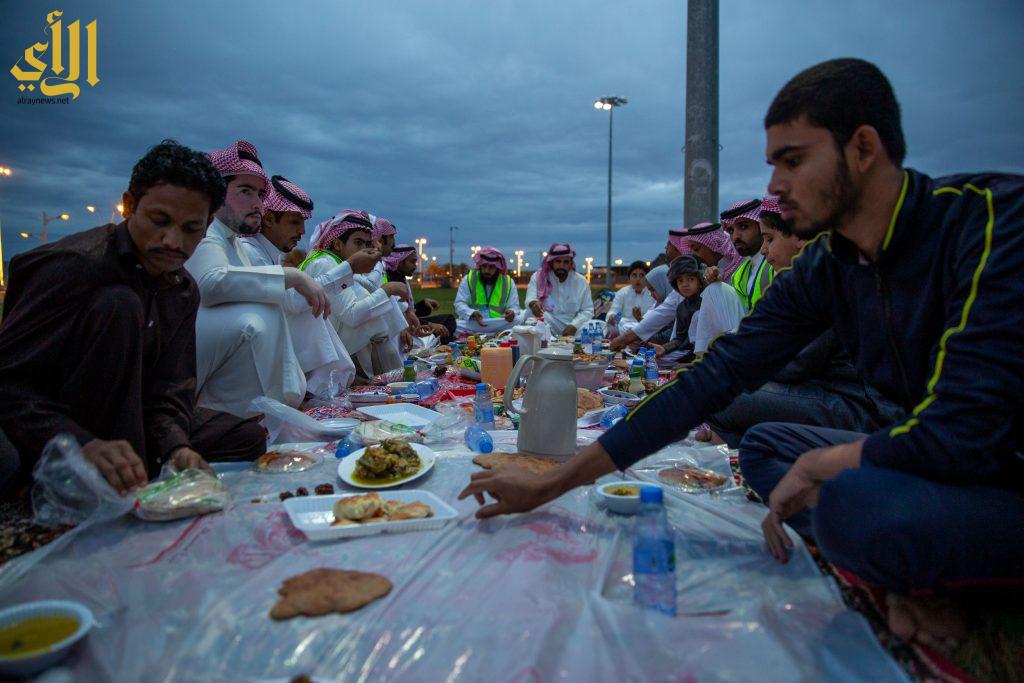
887,312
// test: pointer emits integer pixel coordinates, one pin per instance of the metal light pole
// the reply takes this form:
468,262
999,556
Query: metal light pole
700,184
451,250
4,172
49,219
608,104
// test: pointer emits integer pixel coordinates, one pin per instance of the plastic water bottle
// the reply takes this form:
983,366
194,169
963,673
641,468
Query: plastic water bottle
585,339
636,376
346,446
425,388
483,407
478,440
651,366
613,414
654,555
456,353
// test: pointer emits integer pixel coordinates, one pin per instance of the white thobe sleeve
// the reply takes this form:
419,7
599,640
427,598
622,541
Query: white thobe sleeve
220,282
374,279
513,299
531,289
357,310
462,308
584,305
617,310
659,317
720,313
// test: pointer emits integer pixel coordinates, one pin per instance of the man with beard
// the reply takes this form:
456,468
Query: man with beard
487,300
920,277
98,335
741,222
560,294
320,353
244,349
399,266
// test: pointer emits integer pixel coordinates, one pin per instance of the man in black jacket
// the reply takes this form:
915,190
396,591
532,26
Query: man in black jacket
98,338
920,278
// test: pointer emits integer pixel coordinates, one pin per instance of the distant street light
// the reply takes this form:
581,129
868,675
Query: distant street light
618,262
608,104
590,266
49,219
90,209
519,262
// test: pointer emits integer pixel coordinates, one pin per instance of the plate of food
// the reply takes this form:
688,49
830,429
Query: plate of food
614,397
693,479
390,463
366,514
287,458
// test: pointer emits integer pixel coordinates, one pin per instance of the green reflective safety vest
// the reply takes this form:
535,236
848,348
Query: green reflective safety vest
495,305
751,295
317,254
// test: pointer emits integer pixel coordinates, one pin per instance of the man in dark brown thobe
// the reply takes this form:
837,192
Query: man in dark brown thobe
98,335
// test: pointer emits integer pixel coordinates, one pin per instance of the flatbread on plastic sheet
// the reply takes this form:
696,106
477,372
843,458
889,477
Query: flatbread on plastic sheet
322,591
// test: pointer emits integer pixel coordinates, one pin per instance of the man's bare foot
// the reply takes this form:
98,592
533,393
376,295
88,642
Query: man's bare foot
708,436
937,622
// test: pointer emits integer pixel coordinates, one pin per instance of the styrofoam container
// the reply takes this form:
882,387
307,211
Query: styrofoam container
313,515
34,662
614,397
590,375
406,414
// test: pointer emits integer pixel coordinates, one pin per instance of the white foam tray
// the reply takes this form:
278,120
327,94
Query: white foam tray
313,515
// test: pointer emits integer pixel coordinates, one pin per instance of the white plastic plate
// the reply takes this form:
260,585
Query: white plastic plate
405,414
313,515
348,464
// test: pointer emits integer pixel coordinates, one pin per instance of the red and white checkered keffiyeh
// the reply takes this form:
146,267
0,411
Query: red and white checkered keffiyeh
770,204
492,256
285,195
718,241
382,227
754,213
677,239
238,159
337,225
556,250
399,254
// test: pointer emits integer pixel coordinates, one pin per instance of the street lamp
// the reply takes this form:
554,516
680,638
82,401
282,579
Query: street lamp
49,219
90,208
519,262
474,249
608,104
590,266
420,243
5,170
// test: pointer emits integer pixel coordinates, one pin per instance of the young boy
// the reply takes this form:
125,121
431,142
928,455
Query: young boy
706,311
367,322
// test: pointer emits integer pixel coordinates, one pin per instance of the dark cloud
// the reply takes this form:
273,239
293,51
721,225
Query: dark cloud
480,114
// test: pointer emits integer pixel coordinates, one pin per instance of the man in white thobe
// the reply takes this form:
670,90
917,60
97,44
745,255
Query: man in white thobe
364,319
318,348
243,348
560,294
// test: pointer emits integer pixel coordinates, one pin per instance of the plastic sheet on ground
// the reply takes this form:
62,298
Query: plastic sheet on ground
537,597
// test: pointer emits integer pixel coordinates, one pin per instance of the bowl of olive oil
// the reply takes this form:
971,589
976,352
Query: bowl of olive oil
36,635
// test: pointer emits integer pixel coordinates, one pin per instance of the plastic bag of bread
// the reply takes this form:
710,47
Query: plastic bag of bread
188,493
372,433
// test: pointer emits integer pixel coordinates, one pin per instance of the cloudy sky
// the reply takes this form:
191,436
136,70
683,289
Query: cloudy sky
480,114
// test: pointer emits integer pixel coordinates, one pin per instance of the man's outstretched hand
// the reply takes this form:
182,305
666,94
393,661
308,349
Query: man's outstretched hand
515,489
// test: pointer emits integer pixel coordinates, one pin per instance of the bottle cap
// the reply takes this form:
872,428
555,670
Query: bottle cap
482,386
407,362
651,494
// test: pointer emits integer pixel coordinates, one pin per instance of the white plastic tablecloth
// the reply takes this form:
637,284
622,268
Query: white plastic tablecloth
542,596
